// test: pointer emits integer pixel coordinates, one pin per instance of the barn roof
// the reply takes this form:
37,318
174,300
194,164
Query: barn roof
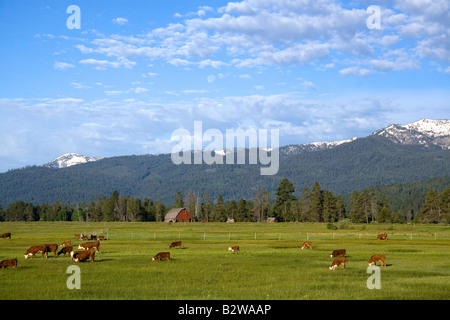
173,213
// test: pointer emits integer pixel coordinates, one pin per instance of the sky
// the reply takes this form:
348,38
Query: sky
120,77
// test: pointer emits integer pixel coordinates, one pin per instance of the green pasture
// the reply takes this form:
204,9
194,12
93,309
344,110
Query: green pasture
270,266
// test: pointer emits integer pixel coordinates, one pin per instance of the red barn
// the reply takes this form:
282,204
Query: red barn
178,215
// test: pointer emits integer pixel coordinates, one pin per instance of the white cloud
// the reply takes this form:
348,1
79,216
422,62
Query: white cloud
104,64
62,65
355,71
140,90
119,21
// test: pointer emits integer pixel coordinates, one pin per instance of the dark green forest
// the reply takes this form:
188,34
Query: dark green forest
369,162
315,205
368,180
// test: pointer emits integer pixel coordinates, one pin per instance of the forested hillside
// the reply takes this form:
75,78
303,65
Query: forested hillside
363,163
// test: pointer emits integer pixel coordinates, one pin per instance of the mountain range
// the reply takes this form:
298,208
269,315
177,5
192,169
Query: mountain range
397,153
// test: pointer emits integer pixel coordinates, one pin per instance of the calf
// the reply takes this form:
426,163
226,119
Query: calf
307,245
382,236
6,235
53,248
162,255
336,253
9,263
337,262
101,238
65,250
66,243
234,249
377,257
36,249
89,245
78,256
175,244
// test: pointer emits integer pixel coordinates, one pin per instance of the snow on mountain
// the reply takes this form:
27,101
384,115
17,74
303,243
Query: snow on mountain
425,132
69,159
313,146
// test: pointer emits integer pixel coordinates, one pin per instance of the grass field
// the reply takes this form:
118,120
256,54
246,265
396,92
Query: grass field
270,266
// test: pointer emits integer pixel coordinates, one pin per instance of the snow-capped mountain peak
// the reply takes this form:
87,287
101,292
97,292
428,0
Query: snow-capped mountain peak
70,159
425,132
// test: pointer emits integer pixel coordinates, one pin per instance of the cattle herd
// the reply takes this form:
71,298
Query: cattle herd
87,252
90,247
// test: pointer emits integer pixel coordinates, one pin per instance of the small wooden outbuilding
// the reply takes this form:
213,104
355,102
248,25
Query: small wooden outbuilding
178,215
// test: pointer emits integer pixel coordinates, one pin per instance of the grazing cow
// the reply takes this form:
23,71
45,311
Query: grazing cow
175,244
89,245
6,235
36,249
77,236
93,237
101,238
67,249
53,248
9,263
307,245
337,262
234,249
78,256
382,236
66,243
162,255
336,253
377,257
83,237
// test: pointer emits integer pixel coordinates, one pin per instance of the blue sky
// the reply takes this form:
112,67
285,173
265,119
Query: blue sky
138,70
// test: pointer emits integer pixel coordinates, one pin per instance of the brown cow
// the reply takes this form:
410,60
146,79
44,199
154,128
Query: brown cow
53,248
65,250
307,245
234,249
89,245
336,253
66,243
377,257
77,236
162,255
337,262
93,237
175,244
78,256
8,263
101,238
382,236
6,235
37,249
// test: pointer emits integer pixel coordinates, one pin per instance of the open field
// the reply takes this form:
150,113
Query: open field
271,264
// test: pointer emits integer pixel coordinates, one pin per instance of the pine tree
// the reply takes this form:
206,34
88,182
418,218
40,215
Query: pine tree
445,206
220,214
316,203
431,210
305,205
329,212
285,195
179,200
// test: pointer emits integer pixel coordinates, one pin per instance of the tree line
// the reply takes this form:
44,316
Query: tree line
315,205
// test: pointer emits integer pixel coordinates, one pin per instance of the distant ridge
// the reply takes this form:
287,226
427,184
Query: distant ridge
398,153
